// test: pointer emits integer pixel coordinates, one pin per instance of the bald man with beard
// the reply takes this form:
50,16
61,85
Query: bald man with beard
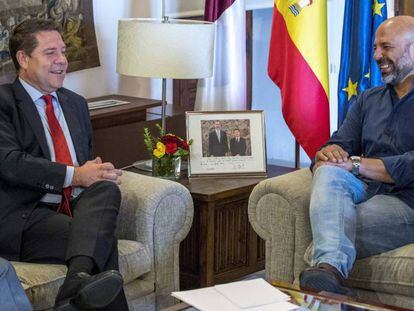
362,197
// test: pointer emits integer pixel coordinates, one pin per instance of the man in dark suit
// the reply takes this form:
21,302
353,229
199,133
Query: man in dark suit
58,205
217,141
237,144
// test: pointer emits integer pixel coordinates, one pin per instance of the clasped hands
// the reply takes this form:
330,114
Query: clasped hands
332,155
95,170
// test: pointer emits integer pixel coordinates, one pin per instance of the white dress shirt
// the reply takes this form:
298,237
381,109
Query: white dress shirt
40,104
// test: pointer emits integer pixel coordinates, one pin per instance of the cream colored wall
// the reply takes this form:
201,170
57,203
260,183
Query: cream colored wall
104,80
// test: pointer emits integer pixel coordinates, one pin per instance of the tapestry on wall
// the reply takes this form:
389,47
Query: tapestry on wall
75,17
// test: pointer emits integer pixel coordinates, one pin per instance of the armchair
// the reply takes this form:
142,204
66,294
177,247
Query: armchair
279,213
155,216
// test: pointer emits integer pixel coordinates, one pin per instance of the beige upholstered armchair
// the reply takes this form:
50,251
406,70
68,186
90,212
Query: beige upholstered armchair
279,213
155,217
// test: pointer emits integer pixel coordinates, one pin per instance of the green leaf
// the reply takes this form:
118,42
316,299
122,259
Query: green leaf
160,129
148,140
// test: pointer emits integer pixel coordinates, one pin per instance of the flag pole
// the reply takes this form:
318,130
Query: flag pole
297,154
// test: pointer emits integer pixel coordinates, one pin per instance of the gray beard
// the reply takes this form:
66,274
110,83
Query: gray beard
404,67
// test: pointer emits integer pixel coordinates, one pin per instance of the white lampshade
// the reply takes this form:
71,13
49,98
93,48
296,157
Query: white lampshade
179,49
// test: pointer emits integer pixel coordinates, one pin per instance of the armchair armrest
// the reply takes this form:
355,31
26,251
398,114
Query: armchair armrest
279,213
159,214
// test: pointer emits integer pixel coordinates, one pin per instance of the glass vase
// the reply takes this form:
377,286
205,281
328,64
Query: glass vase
166,167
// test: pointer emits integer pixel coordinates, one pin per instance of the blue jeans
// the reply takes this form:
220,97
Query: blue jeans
345,225
12,295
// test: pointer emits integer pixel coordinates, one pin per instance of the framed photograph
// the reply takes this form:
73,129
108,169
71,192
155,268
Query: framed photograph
226,143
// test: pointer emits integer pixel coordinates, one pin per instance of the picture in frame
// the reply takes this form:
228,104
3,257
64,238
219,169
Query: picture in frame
226,143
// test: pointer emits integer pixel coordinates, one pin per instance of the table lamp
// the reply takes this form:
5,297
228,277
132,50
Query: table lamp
177,49
166,48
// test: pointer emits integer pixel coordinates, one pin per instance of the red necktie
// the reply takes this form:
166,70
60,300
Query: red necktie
62,153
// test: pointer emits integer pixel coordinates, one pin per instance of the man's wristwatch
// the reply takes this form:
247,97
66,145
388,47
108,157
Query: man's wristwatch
356,163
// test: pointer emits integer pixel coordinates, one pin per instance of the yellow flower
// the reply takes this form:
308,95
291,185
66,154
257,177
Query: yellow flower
160,150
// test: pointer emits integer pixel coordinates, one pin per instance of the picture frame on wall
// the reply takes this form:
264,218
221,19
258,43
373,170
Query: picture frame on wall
226,144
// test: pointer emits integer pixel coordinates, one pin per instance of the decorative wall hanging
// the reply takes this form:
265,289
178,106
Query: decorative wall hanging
76,19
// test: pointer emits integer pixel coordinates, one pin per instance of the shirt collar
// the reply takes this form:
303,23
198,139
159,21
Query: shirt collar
34,93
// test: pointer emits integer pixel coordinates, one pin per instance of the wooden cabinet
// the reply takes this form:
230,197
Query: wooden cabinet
221,245
118,131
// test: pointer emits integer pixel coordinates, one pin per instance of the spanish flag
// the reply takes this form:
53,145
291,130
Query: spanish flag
298,64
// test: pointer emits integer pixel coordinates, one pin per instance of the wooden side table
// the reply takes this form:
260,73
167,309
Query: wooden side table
221,245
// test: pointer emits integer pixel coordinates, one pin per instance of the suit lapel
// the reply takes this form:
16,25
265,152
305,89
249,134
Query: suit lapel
70,113
27,106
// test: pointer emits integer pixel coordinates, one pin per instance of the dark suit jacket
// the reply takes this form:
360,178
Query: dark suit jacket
26,172
215,147
238,147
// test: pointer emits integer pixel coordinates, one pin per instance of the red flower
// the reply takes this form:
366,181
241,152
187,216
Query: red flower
170,148
184,145
170,139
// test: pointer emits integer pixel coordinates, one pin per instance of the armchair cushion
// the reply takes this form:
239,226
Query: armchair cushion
41,280
134,260
391,272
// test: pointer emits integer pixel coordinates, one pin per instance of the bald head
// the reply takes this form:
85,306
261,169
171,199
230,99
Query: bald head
394,49
402,26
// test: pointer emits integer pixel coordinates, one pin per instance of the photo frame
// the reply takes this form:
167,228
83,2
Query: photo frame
226,144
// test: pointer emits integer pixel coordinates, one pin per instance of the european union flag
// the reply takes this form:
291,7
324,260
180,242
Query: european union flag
358,69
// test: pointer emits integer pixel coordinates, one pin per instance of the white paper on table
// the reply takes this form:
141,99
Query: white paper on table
209,299
205,299
213,299
251,293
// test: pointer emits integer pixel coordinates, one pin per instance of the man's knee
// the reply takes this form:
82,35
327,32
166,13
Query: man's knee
101,196
108,186
107,189
4,267
328,175
330,170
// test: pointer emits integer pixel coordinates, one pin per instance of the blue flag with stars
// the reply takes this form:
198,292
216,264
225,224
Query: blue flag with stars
358,70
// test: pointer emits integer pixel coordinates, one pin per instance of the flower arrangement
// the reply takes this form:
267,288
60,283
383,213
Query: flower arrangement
166,151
